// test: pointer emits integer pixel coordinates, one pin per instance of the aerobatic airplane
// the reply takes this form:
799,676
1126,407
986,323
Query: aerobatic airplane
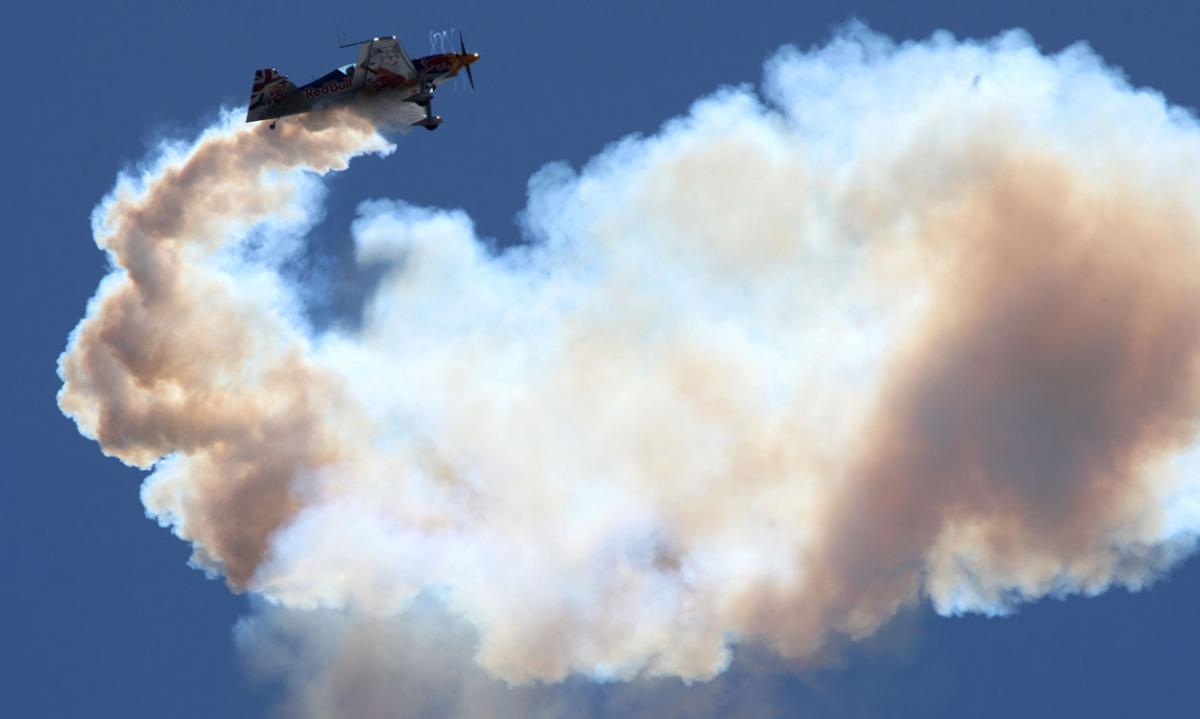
382,67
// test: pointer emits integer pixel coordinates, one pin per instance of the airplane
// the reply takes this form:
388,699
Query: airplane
382,67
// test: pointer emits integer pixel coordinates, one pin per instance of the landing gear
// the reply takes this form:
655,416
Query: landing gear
431,120
272,125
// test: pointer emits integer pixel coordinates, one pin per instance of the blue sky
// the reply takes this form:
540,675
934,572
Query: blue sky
102,614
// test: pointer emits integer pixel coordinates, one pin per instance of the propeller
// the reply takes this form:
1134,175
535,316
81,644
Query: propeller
462,47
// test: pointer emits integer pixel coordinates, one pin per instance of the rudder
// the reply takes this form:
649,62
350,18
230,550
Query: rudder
269,88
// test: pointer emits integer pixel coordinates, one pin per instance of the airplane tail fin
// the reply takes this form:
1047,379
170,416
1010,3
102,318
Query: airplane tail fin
269,88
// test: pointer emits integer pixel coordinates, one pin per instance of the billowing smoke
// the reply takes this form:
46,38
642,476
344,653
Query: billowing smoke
912,321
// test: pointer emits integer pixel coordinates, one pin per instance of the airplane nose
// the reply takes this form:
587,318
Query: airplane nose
472,57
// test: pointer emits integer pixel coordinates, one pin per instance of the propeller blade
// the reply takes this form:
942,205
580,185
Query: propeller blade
462,47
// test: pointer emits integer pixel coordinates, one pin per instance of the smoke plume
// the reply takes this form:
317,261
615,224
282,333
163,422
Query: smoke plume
912,321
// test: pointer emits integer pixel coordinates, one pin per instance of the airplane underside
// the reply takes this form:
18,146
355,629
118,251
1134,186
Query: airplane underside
297,104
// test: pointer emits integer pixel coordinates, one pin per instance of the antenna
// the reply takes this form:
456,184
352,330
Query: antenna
341,38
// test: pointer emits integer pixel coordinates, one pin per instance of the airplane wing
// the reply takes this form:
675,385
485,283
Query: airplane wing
406,115
387,55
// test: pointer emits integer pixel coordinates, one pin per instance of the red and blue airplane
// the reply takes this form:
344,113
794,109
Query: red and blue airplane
382,67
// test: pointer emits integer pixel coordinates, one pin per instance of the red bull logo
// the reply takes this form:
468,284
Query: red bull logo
437,63
329,87
276,91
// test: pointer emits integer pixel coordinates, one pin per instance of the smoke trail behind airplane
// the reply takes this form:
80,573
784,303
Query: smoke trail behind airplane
914,321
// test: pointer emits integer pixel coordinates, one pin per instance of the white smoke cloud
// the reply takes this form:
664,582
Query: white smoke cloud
915,321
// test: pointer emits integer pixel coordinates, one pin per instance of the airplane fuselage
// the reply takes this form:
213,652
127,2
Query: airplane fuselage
351,82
